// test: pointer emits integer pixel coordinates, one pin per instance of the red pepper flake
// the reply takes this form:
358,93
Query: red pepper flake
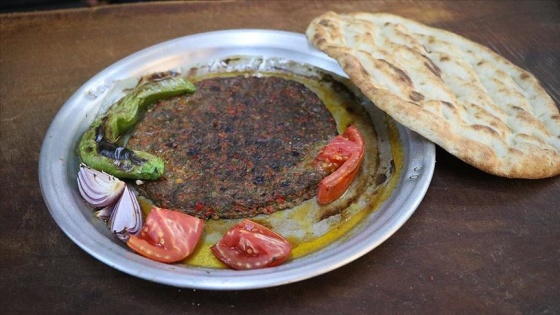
230,110
268,209
198,206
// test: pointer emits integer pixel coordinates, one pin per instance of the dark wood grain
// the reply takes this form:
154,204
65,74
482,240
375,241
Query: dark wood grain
476,244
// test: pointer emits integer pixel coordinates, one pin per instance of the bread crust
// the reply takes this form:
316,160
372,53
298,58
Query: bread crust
467,99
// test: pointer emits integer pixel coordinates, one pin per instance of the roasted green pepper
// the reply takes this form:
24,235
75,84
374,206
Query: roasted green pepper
98,146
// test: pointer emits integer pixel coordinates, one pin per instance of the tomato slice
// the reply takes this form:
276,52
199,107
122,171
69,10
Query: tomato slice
249,245
341,158
167,236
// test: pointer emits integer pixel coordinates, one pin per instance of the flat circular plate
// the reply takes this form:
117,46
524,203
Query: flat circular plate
58,165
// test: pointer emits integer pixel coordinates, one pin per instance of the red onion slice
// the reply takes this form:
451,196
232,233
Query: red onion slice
99,189
105,213
126,218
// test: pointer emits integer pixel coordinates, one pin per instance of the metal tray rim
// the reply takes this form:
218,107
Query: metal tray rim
62,200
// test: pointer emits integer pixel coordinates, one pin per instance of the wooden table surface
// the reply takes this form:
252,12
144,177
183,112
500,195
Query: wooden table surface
476,244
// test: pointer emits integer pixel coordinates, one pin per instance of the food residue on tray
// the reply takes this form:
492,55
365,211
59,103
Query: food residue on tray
245,146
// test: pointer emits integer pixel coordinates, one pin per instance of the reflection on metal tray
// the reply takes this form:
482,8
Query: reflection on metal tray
58,164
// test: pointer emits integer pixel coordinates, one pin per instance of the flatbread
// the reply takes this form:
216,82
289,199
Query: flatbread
461,95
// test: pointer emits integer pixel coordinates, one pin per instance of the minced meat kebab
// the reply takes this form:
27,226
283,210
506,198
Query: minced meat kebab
237,147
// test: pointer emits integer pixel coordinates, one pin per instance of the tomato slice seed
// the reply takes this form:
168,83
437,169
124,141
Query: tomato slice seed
167,236
249,245
341,159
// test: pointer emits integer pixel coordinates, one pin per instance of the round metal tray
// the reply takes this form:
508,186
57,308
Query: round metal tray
58,166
